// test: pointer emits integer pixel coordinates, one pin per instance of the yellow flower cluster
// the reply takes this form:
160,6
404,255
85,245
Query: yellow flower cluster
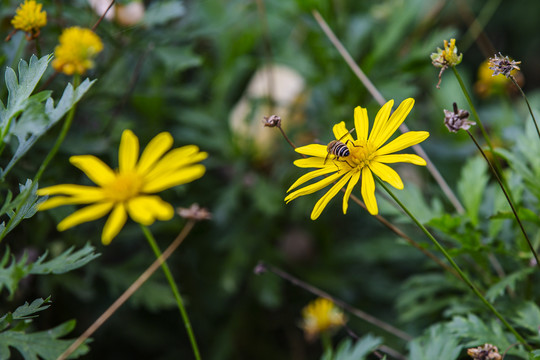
29,18
76,51
447,57
319,316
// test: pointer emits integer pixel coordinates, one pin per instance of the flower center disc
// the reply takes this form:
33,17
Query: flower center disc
361,153
124,187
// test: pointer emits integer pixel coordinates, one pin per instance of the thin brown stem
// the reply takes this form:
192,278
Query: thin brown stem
130,291
103,16
263,267
380,99
510,202
387,223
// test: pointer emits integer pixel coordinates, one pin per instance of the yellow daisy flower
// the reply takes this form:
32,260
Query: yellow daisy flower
29,18
321,315
76,50
127,190
367,155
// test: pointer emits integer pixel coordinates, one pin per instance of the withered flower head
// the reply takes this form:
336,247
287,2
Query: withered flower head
446,58
503,65
486,352
194,212
458,119
272,121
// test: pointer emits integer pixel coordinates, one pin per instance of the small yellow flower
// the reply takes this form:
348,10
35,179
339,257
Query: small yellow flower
321,315
127,190
76,51
367,155
29,18
488,84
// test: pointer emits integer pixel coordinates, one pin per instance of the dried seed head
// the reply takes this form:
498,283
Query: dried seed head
503,65
446,58
457,119
486,352
194,212
272,121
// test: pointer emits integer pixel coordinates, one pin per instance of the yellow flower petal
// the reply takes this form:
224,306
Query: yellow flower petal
114,224
311,175
154,150
313,187
368,191
313,150
403,141
361,123
386,173
146,209
86,214
341,133
405,158
128,152
321,204
174,160
394,122
66,200
380,121
69,189
312,162
350,186
182,176
94,168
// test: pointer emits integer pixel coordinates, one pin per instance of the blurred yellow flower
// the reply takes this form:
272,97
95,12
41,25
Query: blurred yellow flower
366,156
29,18
319,316
76,51
489,84
127,190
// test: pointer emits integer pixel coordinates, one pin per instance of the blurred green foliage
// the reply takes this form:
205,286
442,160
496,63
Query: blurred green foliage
182,69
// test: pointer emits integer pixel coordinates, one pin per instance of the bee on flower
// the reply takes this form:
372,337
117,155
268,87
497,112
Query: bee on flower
76,52
367,155
321,316
29,18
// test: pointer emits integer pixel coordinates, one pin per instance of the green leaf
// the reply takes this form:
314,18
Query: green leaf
11,274
475,331
177,59
471,186
42,344
347,351
161,12
528,316
439,343
21,89
25,311
24,206
510,281
534,355
37,119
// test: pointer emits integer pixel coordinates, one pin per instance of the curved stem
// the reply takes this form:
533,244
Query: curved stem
528,105
510,202
464,277
130,291
174,289
481,126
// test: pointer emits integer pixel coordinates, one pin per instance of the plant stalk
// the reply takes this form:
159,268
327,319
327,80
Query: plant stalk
174,289
464,277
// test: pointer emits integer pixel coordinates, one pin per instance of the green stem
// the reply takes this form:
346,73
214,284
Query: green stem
174,289
507,198
464,277
326,341
61,136
481,126
38,47
528,105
